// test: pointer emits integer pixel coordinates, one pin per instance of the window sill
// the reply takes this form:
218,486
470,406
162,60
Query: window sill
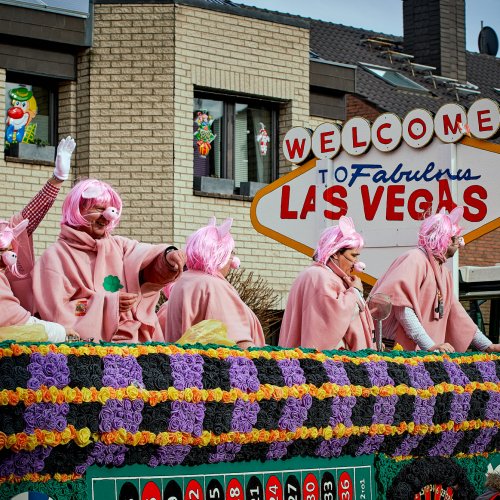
15,159
223,196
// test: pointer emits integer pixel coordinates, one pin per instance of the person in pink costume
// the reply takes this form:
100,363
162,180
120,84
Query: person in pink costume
104,286
202,292
17,254
425,312
325,308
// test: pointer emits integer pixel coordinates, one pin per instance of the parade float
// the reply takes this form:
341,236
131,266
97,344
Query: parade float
211,422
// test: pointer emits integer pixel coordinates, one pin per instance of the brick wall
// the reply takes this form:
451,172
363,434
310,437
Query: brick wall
356,106
255,58
20,181
125,114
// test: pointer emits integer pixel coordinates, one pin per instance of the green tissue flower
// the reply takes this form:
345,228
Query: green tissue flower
112,283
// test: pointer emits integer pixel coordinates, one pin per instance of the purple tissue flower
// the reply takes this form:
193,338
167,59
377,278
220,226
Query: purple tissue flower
370,445
121,371
295,413
342,410
493,407
112,454
377,371
226,452
424,410
169,455
459,407
25,462
409,443
331,447
447,443
46,416
243,374
292,372
383,409
187,370
277,450
419,376
336,372
187,417
116,414
457,376
49,370
244,415
487,370
483,439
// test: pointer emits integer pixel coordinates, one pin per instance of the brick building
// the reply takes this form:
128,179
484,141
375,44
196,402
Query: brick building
127,80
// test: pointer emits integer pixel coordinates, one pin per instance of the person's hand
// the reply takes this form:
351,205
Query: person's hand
63,158
71,335
176,259
357,283
127,301
444,347
493,348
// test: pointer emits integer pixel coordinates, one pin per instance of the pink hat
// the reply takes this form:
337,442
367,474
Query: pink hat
337,238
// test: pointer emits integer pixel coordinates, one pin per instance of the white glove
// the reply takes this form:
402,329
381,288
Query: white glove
63,158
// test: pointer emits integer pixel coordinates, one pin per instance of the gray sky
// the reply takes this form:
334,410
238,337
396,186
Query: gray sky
384,16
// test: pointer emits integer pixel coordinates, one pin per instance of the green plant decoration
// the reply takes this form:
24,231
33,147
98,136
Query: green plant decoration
112,283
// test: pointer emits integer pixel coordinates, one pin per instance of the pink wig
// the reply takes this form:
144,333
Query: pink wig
437,230
85,195
209,249
337,238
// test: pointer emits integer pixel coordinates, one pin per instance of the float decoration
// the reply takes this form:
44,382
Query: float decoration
20,115
112,283
263,139
204,135
65,408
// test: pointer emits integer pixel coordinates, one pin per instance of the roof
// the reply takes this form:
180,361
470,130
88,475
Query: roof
344,44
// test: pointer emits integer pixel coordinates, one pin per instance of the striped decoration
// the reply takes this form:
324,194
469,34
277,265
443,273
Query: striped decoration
64,408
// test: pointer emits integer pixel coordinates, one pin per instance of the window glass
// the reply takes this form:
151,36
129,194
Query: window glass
27,113
252,151
234,138
394,77
207,137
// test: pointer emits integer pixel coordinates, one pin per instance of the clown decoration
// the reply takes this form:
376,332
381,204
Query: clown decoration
204,135
20,115
263,139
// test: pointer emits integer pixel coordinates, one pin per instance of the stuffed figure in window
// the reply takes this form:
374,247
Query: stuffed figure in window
263,139
204,135
20,115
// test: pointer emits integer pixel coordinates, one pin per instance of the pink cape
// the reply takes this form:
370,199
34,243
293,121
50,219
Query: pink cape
68,285
197,296
22,287
322,311
410,282
12,313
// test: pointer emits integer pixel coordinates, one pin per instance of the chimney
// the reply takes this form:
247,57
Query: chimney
434,32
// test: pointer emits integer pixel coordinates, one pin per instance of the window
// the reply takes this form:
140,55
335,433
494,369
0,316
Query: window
393,77
234,138
29,111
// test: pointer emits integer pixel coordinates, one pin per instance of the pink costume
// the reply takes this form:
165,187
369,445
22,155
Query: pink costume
413,281
323,312
16,297
197,296
77,280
